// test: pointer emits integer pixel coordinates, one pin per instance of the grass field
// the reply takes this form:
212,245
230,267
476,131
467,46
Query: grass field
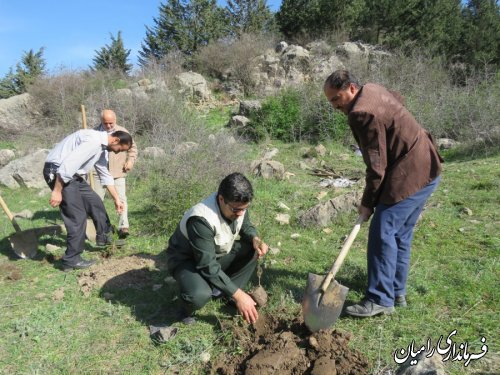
49,326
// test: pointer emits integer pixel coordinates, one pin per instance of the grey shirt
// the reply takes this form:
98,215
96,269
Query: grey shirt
79,152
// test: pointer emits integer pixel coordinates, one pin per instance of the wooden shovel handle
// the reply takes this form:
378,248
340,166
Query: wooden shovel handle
343,253
9,215
84,125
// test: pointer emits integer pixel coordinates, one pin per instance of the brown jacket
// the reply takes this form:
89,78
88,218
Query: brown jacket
399,154
117,161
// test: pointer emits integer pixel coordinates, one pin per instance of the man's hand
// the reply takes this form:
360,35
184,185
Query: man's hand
260,247
246,306
55,198
119,206
365,212
127,166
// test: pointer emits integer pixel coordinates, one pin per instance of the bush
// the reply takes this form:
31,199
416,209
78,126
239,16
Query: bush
234,59
299,114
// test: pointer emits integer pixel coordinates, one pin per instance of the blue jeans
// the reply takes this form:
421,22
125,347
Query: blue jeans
389,245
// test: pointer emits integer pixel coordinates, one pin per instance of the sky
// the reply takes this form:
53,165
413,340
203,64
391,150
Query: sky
71,31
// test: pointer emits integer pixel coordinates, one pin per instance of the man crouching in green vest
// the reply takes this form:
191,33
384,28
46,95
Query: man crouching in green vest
204,255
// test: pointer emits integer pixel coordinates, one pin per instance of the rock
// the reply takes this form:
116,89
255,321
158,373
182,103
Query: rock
6,156
185,147
239,121
193,86
424,366
16,112
323,213
446,143
320,150
283,219
153,152
268,169
248,107
294,236
270,153
283,206
467,211
51,248
25,172
24,214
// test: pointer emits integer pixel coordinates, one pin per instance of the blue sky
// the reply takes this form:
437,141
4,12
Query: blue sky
72,30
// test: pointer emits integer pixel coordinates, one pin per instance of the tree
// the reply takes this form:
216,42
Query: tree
113,56
8,86
481,36
249,16
182,26
31,67
317,18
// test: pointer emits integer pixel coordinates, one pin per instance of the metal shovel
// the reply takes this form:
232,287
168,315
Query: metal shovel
25,242
324,299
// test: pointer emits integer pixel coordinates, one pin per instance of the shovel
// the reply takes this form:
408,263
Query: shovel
324,299
25,242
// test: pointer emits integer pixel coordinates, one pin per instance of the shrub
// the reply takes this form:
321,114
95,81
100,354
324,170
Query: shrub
299,114
234,59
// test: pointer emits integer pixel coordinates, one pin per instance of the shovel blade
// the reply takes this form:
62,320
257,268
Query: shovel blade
321,310
24,244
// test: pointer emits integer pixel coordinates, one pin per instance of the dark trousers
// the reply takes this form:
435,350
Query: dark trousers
195,291
389,246
78,202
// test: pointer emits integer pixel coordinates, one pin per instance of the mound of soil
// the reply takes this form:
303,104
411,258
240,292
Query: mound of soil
279,347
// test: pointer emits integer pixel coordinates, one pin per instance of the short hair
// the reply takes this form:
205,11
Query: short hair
124,137
236,188
340,79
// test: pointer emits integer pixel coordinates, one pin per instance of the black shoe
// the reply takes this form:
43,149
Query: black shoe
123,233
366,308
186,317
105,240
78,266
400,301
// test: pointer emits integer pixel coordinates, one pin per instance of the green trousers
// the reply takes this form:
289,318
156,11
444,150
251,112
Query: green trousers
195,291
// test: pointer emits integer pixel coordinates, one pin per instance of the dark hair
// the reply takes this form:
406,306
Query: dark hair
340,79
236,188
124,137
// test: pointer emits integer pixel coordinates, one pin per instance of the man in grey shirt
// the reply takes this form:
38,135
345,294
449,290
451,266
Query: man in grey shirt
64,169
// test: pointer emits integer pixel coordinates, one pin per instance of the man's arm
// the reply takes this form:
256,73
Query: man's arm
56,195
372,141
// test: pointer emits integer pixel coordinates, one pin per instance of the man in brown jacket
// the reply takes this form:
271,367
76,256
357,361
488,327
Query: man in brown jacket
402,171
118,165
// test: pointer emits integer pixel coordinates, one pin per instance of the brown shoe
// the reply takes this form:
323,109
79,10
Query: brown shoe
123,233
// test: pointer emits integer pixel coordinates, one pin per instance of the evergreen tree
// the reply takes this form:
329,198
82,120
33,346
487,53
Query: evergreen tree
113,56
481,34
182,26
249,16
31,67
316,18
8,85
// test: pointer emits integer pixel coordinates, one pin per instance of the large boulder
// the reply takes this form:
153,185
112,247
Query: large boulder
25,172
323,214
6,155
193,86
16,113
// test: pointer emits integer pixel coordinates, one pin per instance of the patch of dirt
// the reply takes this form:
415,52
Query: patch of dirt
10,272
279,347
106,271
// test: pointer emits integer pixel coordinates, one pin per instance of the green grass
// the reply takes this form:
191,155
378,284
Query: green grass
48,326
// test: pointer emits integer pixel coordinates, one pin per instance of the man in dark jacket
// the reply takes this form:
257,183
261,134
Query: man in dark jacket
402,170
